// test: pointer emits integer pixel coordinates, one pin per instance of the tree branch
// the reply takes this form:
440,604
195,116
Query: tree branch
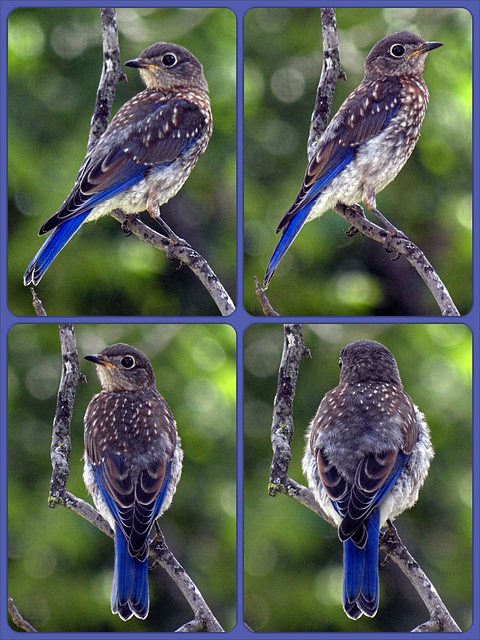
204,618
331,72
58,495
183,252
282,430
61,446
405,247
281,433
17,618
112,74
440,618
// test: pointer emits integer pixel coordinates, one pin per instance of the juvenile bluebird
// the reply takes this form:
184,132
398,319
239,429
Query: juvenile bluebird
133,462
367,455
144,156
368,140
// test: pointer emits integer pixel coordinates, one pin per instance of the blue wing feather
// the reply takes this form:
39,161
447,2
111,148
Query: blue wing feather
350,128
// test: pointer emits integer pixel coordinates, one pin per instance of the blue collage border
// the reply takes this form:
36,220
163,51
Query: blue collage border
240,320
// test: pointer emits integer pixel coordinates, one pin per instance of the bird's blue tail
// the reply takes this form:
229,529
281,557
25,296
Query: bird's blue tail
360,572
52,247
289,235
130,582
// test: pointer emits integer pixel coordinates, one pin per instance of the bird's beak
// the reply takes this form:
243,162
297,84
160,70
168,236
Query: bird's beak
138,63
100,360
426,47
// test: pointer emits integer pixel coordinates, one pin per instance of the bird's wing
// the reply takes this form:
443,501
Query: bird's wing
376,473
133,491
150,130
363,115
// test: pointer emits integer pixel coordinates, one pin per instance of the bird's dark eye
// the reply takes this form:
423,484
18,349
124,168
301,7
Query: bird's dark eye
127,362
340,362
397,50
169,59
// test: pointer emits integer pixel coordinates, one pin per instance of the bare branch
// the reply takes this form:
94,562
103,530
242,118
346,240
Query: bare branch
112,74
331,72
282,425
440,618
17,618
37,303
61,442
267,308
405,247
204,618
183,252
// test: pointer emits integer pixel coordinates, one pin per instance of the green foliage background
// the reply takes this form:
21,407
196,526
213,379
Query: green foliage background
293,559
430,200
55,62
60,567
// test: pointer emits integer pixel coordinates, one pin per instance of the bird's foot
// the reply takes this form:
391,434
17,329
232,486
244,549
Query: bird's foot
356,208
392,231
174,240
125,228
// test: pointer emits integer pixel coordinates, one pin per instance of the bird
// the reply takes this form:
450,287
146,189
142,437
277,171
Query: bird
367,142
368,452
144,156
132,465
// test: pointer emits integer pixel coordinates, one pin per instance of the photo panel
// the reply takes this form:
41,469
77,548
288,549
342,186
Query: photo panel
293,557
162,131
60,565
323,267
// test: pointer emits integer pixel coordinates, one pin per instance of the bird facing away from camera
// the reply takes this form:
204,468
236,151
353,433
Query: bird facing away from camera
367,455
368,140
133,462
144,156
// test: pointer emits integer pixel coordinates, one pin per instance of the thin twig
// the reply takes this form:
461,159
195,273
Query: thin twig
405,247
37,303
17,618
440,618
182,252
61,442
331,73
267,308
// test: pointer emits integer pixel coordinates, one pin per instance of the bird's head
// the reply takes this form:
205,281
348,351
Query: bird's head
169,67
368,361
399,54
121,367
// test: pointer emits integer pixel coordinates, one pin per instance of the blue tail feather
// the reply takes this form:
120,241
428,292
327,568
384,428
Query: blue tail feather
360,572
52,247
130,582
286,240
